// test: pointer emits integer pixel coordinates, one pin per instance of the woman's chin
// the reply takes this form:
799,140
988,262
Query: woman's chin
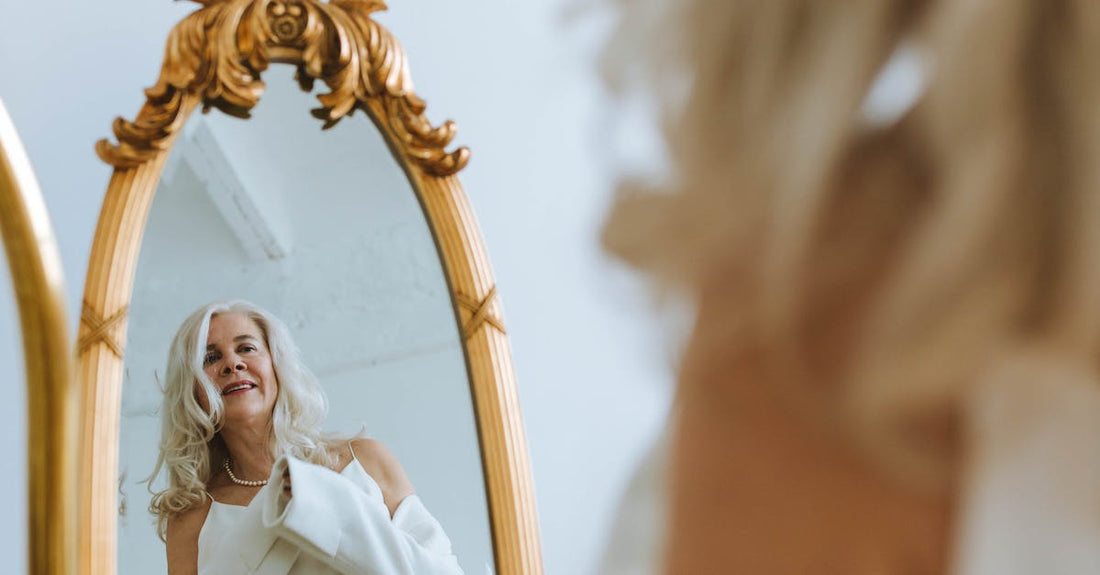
242,409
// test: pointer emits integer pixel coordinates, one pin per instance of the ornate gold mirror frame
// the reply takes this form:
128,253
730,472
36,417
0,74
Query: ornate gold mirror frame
53,397
214,58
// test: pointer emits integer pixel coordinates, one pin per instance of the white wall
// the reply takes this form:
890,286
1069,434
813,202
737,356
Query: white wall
521,84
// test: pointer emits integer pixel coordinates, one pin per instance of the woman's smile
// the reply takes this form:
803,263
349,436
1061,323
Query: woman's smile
238,388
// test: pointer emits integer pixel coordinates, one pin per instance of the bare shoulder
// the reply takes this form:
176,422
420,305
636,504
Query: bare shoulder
182,539
188,524
381,464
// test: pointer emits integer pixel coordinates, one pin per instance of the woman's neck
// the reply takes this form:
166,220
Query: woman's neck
249,449
758,487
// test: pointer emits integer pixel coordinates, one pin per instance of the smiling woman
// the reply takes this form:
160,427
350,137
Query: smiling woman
239,403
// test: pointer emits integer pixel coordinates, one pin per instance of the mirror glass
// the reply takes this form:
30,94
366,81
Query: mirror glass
323,229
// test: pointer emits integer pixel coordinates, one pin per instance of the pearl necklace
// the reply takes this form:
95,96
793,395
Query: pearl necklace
234,479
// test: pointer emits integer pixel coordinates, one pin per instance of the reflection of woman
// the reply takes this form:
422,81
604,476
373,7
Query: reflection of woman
254,485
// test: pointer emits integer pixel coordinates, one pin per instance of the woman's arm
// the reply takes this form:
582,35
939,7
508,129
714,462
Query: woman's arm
182,540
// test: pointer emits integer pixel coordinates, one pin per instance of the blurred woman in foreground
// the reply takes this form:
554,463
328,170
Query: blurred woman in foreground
894,363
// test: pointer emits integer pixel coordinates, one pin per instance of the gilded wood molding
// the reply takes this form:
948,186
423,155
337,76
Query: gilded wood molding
214,58
218,52
97,329
53,398
482,312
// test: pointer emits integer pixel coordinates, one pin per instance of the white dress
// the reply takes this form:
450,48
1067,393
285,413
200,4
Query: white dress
1031,490
336,523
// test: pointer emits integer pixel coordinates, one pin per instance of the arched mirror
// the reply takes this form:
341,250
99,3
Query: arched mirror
352,228
52,395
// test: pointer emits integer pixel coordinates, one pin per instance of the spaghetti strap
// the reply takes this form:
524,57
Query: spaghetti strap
352,450
354,470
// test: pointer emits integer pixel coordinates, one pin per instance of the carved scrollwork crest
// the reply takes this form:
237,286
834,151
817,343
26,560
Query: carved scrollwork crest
215,56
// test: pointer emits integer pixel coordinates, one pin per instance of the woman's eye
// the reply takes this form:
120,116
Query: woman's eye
248,348
209,359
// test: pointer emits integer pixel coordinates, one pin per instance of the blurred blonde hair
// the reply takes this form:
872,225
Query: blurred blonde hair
190,448
967,230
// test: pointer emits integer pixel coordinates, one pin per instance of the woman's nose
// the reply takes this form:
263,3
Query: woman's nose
232,364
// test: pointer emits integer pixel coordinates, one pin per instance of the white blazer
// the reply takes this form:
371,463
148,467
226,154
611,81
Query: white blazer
336,523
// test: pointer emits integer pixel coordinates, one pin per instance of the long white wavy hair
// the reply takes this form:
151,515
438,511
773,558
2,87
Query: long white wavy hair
966,230
190,446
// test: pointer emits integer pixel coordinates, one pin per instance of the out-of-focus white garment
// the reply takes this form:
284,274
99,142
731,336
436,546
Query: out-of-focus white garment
1031,490
636,542
335,523
1030,501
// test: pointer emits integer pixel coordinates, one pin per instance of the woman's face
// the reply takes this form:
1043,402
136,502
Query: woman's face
238,362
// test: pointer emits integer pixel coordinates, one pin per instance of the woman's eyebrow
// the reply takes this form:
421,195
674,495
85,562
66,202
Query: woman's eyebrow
242,337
